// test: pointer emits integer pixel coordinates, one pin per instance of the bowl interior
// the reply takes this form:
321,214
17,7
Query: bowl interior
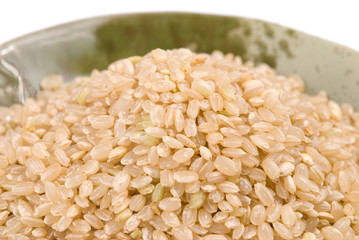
76,48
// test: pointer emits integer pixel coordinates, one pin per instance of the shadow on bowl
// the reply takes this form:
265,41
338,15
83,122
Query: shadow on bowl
78,47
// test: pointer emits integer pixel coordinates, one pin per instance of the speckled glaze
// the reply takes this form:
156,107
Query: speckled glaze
76,48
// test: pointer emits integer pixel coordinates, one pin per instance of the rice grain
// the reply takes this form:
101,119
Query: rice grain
185,176
225,165
179,145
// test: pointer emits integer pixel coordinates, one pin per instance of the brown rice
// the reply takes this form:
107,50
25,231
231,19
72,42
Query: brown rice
179,145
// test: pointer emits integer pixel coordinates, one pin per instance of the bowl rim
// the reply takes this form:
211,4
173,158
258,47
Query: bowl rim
14,41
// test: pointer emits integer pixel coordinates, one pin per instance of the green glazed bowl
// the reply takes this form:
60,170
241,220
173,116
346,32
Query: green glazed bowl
76,48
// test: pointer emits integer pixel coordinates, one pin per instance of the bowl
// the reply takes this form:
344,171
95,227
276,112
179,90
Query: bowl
76,48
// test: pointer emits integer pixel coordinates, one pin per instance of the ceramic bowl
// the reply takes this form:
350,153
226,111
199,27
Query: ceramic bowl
78,47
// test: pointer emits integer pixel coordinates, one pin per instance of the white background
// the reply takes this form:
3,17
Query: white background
331,19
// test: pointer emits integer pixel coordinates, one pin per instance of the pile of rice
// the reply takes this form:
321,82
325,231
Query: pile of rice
179,145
